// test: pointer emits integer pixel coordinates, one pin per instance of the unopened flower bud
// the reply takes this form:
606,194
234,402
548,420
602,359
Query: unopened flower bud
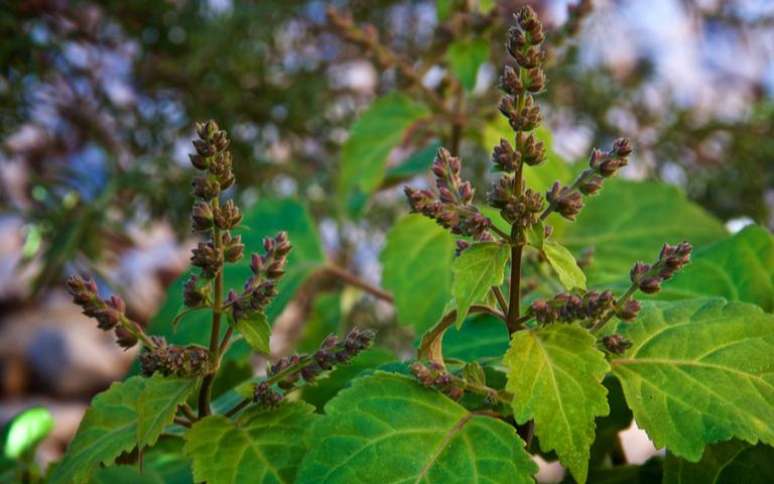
591,185
629,310
650,285
511,82
227,216
205,187
124,338
201,216
615,343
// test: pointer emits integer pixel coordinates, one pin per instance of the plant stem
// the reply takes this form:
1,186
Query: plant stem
600,324
188,412
351,279
500,299
205,393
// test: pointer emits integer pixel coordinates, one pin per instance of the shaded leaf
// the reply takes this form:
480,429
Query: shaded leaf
739,268
263,445
555,374
416,264
476,270
700,372
418,163
127,414
373,136
729,462
388,428
482,336
630,221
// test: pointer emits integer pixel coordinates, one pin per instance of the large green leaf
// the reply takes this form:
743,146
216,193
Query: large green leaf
465,58
699,372
555,374
740,268
373,136
482,336
729,462
417,261
261,446
630,221
475,271
562,261
265,219
128,414
389,428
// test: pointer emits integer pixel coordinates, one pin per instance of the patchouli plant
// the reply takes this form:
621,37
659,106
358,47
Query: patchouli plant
522,350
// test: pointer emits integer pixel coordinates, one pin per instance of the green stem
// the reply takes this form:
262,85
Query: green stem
602,322
205,393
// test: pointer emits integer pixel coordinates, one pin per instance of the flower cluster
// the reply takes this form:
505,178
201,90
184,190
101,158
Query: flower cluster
109,313
267,269
288,371
566,308
615,343
433,375
213,159
171,360
672,258
453,207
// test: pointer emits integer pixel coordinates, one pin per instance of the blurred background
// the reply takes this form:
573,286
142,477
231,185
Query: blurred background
98,101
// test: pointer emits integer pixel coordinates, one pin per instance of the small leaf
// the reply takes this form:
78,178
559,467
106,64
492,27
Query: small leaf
129,413
475,271
536,235
256,330
725,463
474,373
562,261
418,163
555,374
25,430
389,428
373,136
262,446
700,372
416,261
465,58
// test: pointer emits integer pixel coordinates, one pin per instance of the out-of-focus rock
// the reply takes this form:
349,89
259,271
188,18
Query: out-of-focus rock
57,350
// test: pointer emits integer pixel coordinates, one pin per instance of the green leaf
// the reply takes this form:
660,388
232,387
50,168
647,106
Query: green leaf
128,414
265,219
739,268
23,433
699,372
476,270
256,330
418,163
373,136
607,443
555,375
482,336
729,462
630,221
416,260
389,428
562,261
125,474
261,446
465,58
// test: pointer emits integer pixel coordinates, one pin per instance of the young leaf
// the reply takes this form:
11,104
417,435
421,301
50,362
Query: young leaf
739,268
389,428
23,433
699,372
562,261
536,235
630,221
555,374
416,261
256,330
728,462
128,414
465,58
364,155
263,445
475,271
